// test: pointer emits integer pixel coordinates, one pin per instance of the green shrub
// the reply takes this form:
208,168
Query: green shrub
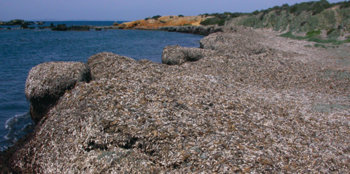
313,33
298,8
344,4
333,33
213,21
319,6
181,15
285,7
330,31
289,34
320,45
234,15
315,39
156,17
256,12
314,7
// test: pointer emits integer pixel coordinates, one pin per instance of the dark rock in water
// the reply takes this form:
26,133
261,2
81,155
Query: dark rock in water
44,27
60,27
47,82
40,22
79,28
63,27
176,55
17,22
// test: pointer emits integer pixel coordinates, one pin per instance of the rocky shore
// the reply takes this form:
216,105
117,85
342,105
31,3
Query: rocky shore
201,30
246,101
21,24
157,22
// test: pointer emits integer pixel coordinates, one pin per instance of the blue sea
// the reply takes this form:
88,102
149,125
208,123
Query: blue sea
20,50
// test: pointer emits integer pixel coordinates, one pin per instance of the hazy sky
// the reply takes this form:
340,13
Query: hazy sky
125,9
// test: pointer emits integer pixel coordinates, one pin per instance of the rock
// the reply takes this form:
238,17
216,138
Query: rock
63,27
47,82
177,55
60,27
202,30
79,28
40,22
163,21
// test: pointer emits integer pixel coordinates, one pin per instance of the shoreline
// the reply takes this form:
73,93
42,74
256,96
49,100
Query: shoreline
146,56
225,58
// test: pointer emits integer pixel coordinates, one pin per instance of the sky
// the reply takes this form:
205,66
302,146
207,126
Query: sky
117,10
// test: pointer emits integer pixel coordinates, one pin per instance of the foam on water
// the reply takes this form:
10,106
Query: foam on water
17,127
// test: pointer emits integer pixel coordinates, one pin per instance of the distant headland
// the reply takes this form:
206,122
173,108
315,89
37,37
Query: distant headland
318,21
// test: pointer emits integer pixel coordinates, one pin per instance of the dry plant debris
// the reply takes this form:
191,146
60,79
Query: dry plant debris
248,108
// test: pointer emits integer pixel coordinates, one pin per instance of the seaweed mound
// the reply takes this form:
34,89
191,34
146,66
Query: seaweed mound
244,108
47,82
176,55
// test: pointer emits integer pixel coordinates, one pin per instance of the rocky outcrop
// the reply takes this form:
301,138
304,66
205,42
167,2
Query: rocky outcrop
19,22
239,110
176,55
162,21
182,24
47,82
64,27
202,30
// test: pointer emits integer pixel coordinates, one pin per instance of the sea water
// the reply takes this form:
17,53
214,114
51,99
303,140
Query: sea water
20,50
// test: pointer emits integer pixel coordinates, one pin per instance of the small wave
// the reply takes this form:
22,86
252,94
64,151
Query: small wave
16,127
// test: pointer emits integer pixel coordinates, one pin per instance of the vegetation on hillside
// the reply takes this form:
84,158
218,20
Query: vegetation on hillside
332,20
219,18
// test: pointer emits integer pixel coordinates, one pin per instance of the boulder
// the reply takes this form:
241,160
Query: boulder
177,55
47,82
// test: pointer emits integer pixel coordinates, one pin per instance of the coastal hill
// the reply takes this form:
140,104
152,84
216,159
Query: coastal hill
319,17
162,21
313,20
